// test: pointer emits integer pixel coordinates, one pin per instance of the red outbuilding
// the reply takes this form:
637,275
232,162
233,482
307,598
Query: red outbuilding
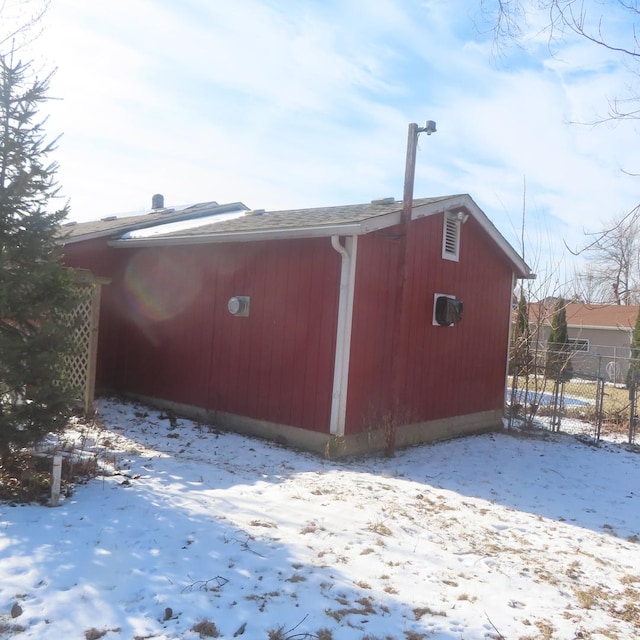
338,329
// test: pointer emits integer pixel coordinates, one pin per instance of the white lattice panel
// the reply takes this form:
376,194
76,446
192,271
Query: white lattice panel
82,365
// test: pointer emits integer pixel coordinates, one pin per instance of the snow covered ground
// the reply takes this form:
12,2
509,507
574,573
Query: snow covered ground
197,532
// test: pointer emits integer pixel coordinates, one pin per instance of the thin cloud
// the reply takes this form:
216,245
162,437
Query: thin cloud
282,105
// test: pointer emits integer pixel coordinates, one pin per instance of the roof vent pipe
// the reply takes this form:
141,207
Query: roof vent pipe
157,201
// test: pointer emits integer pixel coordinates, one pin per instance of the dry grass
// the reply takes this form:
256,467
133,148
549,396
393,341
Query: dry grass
96,634
311,527
419,612
282,633
545,629
13,629
362,584
414,635
263,524
206,629
296,577
26,476
466,597
589,598
380,528
365,608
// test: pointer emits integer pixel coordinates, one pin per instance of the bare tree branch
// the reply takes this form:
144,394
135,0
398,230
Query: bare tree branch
18,22
591,20
613,273
566,17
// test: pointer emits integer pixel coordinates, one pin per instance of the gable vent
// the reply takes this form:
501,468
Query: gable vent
451,237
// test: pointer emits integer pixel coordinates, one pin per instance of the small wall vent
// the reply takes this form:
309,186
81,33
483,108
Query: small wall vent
239,306
451,237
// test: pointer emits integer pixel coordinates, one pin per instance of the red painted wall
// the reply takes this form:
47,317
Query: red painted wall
446,371
101,260
166,331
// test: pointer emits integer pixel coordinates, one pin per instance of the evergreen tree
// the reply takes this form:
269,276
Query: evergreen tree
633,375
36,291
558,364
521,342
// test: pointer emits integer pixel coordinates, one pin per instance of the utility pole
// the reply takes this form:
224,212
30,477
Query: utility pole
410,165
403,270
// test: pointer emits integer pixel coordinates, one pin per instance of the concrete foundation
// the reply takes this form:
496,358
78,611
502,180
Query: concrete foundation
368,442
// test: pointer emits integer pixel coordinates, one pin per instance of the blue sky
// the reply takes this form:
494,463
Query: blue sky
294,103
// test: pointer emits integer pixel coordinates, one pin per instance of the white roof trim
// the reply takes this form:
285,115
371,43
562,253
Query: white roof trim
322,231
599,327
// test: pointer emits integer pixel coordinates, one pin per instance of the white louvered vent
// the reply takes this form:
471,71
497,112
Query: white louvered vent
451,237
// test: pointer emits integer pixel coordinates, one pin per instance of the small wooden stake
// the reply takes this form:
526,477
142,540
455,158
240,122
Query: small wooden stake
55,480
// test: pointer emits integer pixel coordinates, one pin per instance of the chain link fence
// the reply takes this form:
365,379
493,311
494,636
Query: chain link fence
593,398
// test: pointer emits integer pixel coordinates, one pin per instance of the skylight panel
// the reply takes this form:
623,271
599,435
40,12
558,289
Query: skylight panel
183,225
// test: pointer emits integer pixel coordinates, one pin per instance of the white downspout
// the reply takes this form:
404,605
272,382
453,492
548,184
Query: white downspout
343,332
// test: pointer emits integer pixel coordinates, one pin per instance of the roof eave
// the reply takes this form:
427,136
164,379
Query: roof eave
599,326
324,231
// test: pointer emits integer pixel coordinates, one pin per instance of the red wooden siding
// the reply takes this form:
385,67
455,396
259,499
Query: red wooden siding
169,334
446,371
101,260
369,396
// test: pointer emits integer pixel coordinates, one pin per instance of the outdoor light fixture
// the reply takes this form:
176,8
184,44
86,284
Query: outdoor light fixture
429,127
462,217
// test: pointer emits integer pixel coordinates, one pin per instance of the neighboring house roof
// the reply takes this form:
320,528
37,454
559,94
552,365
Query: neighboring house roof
608,316
592,316
356,219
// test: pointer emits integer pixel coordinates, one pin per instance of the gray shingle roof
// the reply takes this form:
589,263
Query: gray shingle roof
321,220
354,219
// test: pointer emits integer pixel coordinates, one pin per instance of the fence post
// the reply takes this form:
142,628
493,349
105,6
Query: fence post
599,406
633,390
55,480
